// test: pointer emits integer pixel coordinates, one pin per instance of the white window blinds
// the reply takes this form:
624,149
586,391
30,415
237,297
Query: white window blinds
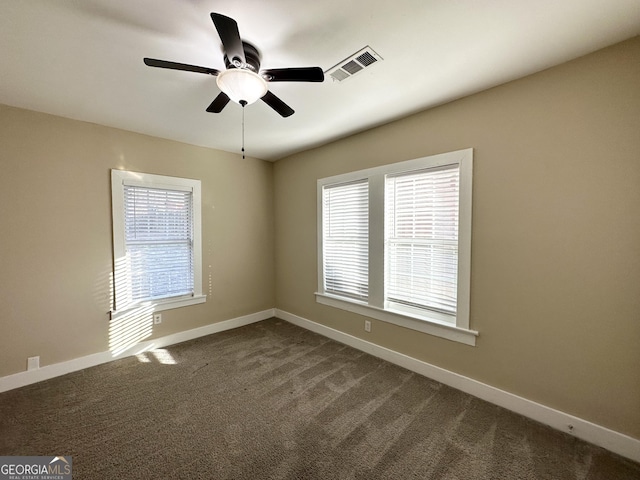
346,239
421,210
159,242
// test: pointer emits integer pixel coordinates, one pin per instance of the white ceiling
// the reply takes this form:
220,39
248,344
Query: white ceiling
82,59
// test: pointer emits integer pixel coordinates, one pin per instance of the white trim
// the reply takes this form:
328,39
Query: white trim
120,178
433,326
376,307
21,379
376,242
438,160
464,240
611,440
161,305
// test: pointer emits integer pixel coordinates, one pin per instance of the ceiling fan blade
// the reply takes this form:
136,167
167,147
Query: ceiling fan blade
152,62
218,103
277,104
305,74
230,36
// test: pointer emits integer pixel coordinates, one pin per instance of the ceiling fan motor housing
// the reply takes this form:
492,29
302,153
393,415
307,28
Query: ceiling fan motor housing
251,55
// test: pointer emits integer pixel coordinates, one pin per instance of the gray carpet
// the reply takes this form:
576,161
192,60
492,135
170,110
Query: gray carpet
271,400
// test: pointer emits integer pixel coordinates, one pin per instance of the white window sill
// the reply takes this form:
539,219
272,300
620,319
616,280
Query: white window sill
160,305
434,327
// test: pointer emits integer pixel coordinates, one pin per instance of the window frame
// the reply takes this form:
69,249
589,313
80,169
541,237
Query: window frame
120,178
433,323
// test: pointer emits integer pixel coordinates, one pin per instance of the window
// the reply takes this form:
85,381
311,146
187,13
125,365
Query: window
346,239
421,239
156,238
395,243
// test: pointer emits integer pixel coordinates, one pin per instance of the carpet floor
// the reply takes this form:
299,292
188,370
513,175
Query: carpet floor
274,401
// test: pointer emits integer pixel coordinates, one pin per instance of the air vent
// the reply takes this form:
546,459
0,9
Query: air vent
357,62
352,67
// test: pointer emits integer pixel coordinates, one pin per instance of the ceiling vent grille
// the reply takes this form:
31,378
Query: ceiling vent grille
353,64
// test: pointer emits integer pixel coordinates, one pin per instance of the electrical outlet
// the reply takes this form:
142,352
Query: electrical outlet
33,363
367,325
157,318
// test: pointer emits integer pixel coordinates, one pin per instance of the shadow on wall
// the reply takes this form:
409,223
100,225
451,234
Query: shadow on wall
130,325
128,329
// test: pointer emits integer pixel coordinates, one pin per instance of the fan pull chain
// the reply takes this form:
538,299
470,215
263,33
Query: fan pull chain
243,103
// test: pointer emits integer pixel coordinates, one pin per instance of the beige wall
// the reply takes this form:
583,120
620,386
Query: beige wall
56,240
555,289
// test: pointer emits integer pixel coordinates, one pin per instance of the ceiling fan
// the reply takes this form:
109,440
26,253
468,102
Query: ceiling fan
243,81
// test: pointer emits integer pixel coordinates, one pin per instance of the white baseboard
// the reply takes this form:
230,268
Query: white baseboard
50,371
611,440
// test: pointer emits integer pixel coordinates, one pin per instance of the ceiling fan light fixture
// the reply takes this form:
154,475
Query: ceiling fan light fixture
243,81
242,85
